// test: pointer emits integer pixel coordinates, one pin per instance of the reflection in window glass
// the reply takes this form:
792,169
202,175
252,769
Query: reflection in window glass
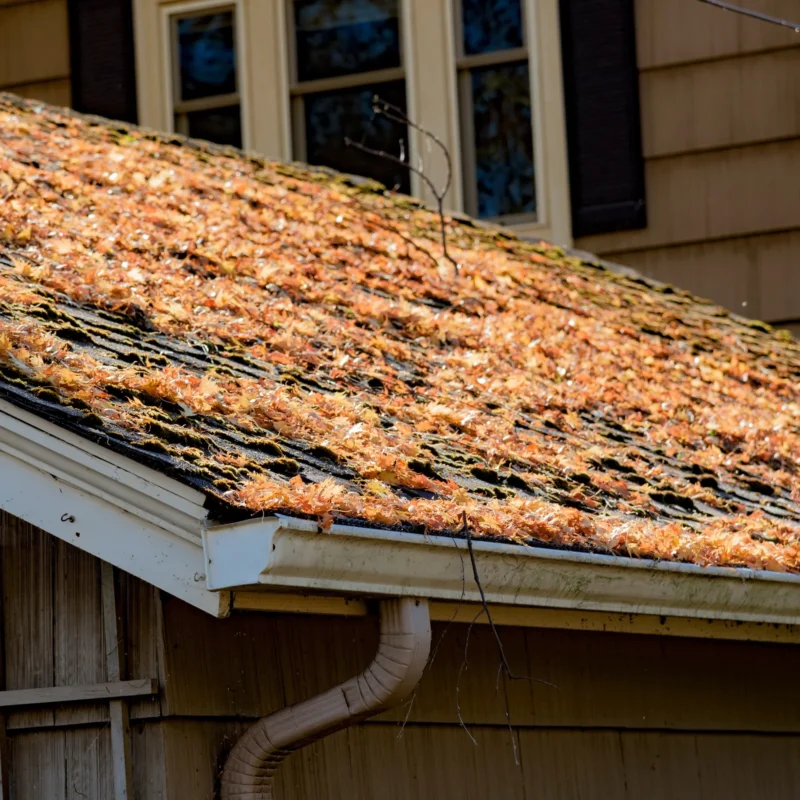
491,25
504,164
342,37
206,55
220,125
332,116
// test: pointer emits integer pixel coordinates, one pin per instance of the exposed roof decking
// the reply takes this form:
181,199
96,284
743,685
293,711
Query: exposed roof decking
285,340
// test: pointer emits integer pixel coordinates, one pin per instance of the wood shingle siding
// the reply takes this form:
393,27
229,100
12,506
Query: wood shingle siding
720,102
687,31
715,105
34,49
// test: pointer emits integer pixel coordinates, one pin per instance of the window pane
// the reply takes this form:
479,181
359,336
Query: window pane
341,37
220,125
501,103
491,25
206,55
331,116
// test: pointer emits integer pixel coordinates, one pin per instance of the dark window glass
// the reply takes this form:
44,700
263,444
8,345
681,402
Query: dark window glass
220,125
332,116
491,25
501,103
206,55
342,37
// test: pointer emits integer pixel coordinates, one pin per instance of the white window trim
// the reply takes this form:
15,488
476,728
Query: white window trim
549,123
176,9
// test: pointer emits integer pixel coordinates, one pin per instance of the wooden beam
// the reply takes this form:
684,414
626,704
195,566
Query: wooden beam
98,693
529,617
280,603
118,709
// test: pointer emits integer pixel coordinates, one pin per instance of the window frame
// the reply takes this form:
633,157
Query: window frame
464,66
177,108
298,90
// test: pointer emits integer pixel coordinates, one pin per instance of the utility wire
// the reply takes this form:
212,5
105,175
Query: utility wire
784,23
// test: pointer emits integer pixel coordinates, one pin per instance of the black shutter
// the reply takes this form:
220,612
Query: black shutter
601,91
102,58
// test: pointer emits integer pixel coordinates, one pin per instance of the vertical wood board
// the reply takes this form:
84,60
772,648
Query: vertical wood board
114,642
78,629
39,766
28,581
149,772
143,639
88,764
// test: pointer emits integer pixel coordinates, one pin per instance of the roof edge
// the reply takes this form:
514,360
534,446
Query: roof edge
288,554
106,505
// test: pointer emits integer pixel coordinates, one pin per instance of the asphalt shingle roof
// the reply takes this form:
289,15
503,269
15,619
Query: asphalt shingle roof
292,339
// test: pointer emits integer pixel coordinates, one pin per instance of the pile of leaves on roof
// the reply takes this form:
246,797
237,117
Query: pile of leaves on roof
291,339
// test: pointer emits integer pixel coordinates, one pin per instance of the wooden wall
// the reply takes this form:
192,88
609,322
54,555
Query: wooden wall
605,716
621,717
34,49
52,635
720,101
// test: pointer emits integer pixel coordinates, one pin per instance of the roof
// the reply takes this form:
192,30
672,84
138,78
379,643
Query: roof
291,340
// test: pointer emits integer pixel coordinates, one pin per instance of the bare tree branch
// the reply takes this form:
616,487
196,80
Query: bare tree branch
395,114
754,14
398,115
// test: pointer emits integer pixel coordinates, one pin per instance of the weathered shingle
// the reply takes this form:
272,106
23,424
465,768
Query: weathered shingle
287,338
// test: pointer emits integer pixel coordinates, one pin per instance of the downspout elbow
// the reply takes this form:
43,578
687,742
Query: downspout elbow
405,641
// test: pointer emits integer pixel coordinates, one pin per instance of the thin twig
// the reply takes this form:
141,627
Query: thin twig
458,678
503,660
391,229
396,114
439,641
504,666
785,23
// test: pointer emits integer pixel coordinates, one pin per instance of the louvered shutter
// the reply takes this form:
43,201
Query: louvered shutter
601,88
101,47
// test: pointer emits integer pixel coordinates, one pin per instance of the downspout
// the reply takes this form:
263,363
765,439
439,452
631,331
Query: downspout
405,641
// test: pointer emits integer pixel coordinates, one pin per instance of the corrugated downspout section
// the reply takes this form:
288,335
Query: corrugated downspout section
405,642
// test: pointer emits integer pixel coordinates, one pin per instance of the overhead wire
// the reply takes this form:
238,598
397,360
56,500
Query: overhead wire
785,23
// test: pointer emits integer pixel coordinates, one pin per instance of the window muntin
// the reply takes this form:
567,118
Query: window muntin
205,84
496,115
345,52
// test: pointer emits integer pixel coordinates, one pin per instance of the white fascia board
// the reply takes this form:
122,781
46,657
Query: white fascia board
112,507
284,553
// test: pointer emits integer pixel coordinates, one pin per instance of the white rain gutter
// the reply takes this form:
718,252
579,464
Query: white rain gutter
285,553
156,529
405,641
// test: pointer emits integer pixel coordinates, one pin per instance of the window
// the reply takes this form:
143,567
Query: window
206,100
294,78
496,114
345,52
